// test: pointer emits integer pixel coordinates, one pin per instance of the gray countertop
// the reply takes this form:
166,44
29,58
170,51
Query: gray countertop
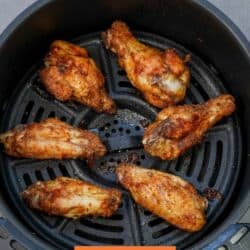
237,10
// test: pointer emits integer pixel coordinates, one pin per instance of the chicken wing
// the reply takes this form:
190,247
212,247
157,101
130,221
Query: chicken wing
70,74
72,198
178,128
52,139
165,195
161,76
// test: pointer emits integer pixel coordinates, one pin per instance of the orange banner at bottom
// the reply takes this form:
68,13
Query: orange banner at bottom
125,248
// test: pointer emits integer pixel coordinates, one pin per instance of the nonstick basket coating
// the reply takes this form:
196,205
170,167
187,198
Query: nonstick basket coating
213,163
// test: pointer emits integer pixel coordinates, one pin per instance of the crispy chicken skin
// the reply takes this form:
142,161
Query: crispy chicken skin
70,74
178,128
52,139
161,76
165,195
72,198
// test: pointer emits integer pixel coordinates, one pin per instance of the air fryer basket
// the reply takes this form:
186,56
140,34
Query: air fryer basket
214,163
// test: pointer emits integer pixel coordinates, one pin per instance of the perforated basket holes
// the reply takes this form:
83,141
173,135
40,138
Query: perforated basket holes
214,163
122,135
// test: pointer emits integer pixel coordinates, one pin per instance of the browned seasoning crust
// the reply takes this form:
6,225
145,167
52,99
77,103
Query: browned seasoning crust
178,128
161,76
212,194
52,139
165,195
70,74
72,198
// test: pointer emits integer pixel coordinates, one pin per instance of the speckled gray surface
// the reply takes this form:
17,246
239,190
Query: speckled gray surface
237,10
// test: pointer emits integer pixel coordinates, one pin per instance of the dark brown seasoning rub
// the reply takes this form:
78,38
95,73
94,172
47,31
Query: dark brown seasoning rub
144,123
212,194
133,158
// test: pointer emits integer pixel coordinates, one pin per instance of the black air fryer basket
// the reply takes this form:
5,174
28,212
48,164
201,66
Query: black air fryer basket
220,64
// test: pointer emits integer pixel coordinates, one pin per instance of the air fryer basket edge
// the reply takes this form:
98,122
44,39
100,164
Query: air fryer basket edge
241,204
